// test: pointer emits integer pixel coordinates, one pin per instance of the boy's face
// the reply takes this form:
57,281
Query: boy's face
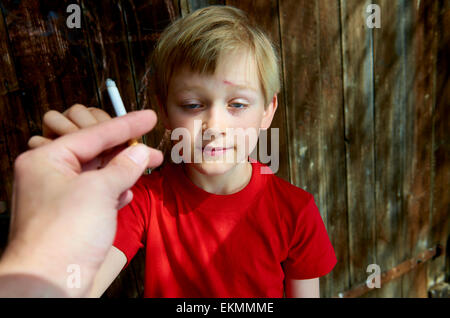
218,108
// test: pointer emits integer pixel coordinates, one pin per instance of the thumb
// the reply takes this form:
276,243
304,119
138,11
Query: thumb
122,172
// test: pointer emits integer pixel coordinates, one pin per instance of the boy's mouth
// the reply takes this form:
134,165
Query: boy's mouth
215,151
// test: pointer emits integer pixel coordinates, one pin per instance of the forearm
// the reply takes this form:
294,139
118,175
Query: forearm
18,280
28,286
31,276
307,288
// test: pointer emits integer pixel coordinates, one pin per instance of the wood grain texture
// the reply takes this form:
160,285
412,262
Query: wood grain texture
299,37
144,23
420,47
440,220
50,58
9,83
108,44
333,143
357,63
187,6
311,45
390,67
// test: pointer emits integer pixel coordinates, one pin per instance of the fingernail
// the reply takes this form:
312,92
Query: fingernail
139,154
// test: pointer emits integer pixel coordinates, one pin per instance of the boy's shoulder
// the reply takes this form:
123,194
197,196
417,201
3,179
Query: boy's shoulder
290,204
285,192
149,183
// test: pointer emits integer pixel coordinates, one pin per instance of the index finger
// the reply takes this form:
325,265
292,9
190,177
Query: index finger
88,143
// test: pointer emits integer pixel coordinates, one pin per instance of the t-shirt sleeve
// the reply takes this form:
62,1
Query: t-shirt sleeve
132,223
311,254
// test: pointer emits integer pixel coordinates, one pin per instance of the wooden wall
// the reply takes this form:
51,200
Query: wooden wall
363,117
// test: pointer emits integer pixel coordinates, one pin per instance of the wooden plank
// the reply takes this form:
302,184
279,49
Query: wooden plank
14,121
144,22
265,15
390,104
299,38
440,221
106,30
441,290
357,47
33,54
420,71
124,286
332,153
9,80
401,270
77,80
15,132
187,6
139,272
301,69
9,83
51,61
6,169
311,49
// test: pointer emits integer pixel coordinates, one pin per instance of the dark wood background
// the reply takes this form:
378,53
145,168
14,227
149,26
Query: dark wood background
363,117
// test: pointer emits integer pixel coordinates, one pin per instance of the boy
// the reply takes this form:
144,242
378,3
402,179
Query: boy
215,227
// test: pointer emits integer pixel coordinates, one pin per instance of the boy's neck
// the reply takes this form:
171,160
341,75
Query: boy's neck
230,182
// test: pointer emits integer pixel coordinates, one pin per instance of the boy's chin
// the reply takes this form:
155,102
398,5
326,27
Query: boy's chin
214,168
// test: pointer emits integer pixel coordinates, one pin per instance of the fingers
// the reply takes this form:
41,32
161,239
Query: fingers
103,159
80,116
56,124
99,114
37,141
88,143
124,170
124,199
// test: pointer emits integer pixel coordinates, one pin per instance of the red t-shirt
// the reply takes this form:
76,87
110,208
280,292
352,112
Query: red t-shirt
244,244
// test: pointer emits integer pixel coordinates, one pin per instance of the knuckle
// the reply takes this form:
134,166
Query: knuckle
100,114
49,115
75,109
21,162
33,142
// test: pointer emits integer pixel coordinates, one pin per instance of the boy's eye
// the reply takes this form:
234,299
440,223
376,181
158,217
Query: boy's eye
238,105
192,106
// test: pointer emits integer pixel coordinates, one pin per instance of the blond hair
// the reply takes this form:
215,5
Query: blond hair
198,39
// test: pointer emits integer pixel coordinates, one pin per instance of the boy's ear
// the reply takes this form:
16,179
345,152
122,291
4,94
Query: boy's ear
269,112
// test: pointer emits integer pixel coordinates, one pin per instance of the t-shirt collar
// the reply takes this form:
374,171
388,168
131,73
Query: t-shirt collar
200,199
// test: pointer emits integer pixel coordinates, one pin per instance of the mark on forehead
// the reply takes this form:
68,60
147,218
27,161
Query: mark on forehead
228,83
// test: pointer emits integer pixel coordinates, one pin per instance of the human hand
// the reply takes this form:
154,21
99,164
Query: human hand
56,124
62,215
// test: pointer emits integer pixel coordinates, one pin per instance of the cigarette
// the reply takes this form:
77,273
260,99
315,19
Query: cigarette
117,103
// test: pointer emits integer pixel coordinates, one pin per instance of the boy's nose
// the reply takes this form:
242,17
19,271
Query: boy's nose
215,120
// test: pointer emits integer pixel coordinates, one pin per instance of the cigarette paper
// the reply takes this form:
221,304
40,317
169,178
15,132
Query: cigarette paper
117,103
